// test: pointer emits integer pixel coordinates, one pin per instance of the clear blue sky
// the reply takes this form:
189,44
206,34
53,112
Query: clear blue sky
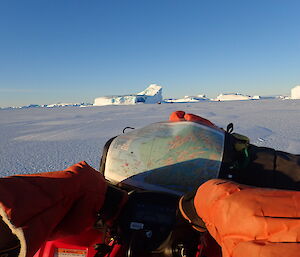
69,50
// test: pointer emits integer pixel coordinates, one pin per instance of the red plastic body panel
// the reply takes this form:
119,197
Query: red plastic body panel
81,245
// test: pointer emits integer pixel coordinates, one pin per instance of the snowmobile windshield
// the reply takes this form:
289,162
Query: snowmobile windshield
174,157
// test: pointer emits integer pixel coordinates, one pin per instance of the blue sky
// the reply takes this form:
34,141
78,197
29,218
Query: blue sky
70,51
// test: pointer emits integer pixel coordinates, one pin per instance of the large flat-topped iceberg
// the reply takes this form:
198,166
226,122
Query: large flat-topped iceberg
151,95
188,99
295,92
232,97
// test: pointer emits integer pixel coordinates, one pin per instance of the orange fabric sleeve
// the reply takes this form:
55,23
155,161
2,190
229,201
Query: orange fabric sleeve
198,119
51,205
249,221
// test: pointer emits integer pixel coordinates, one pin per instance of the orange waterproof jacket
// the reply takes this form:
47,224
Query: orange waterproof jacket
248,221
45,206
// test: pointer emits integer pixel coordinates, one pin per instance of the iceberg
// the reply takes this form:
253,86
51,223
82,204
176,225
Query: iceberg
233,97
188,99
151,95
295,92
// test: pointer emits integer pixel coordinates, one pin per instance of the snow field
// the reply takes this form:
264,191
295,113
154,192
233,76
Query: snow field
47,139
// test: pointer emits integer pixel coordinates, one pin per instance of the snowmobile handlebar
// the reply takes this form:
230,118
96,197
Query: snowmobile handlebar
151,225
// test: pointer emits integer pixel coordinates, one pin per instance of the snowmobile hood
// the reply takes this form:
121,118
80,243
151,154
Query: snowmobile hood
174,157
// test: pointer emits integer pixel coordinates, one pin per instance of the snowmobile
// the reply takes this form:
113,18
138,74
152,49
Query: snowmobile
156,165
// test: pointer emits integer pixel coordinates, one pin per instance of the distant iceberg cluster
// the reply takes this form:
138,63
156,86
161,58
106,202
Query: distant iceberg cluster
49,105
153,95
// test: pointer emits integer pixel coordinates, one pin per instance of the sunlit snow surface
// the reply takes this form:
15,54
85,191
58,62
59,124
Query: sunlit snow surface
47,139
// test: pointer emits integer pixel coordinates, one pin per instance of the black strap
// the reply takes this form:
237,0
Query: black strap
10,252
229,128
127,128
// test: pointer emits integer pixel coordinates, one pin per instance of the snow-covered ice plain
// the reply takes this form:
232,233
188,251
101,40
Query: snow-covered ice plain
47,139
